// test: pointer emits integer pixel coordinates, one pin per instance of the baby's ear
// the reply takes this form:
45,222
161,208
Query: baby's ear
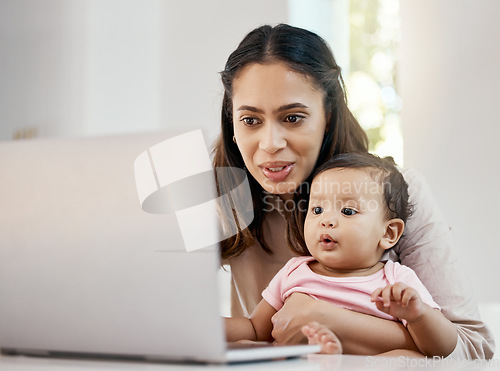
393,230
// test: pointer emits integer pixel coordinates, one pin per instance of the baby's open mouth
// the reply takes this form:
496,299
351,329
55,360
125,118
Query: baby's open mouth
326,238
327,241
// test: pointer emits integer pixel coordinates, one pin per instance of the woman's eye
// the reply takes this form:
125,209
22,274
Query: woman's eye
317,210
249,121
348,211
293,119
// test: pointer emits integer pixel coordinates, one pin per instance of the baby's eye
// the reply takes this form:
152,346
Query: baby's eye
348,211
317,210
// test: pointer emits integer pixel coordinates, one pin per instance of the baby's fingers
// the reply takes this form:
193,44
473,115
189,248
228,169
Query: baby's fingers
386,296
408,295
382,294
397,291
376,294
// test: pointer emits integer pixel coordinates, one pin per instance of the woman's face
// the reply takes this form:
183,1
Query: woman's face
279,123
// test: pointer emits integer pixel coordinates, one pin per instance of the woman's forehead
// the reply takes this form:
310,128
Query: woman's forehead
270,76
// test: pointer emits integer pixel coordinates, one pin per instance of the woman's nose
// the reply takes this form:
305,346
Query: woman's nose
273,138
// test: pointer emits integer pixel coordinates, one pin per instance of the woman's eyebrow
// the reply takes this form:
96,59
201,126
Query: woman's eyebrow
250,108
286,107
282,108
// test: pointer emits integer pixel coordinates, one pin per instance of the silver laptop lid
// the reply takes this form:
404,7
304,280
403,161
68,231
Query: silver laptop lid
84,269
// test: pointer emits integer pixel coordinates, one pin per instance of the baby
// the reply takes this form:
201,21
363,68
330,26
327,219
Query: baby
356,211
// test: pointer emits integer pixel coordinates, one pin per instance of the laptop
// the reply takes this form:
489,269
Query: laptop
85,271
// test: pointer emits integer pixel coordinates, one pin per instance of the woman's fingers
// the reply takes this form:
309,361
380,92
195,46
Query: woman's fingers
288,321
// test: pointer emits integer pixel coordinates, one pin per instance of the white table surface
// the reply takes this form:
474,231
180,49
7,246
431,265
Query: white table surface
310,363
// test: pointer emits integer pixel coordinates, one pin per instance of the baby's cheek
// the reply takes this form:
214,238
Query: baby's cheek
308,230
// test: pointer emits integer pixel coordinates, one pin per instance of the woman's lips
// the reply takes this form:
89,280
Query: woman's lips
276,171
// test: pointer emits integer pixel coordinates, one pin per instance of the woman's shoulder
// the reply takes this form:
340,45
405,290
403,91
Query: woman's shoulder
420,195
415,179
426,226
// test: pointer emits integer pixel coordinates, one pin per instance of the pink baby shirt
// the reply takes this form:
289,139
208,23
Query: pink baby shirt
348,292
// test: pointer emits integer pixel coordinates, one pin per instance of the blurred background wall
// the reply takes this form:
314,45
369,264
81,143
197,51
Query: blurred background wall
73,68
449,83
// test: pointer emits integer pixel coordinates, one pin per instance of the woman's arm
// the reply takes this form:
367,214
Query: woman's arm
257,327
359,333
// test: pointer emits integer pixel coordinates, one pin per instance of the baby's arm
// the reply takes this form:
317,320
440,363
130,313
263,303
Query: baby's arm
431,331
257,327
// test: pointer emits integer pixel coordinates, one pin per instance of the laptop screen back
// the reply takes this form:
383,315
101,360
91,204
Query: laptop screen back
84,269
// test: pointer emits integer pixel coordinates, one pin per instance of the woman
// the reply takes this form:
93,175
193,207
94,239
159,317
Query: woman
284,113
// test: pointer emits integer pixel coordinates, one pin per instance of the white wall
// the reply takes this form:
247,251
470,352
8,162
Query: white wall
93,67
449,80
41,64
122,67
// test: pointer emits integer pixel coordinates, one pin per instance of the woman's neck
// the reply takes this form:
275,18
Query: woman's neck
286,196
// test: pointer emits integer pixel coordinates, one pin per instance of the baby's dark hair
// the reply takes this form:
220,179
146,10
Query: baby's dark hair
382,170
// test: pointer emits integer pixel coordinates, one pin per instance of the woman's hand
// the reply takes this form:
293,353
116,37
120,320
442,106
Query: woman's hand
359,333
298,310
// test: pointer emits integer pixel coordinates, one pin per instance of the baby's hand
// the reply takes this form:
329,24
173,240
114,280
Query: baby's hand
400,301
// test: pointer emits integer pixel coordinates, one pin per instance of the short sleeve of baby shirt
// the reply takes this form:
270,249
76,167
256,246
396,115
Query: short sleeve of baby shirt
273,293
396,272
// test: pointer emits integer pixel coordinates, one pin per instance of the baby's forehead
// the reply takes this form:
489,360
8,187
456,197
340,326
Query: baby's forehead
346,178
346,185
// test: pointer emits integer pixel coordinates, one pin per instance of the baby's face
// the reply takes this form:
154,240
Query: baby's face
346,220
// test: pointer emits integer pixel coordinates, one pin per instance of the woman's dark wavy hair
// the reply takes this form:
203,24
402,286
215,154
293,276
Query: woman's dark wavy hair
304,52
382,170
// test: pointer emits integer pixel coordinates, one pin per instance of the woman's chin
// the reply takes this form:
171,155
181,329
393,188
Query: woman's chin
283,189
